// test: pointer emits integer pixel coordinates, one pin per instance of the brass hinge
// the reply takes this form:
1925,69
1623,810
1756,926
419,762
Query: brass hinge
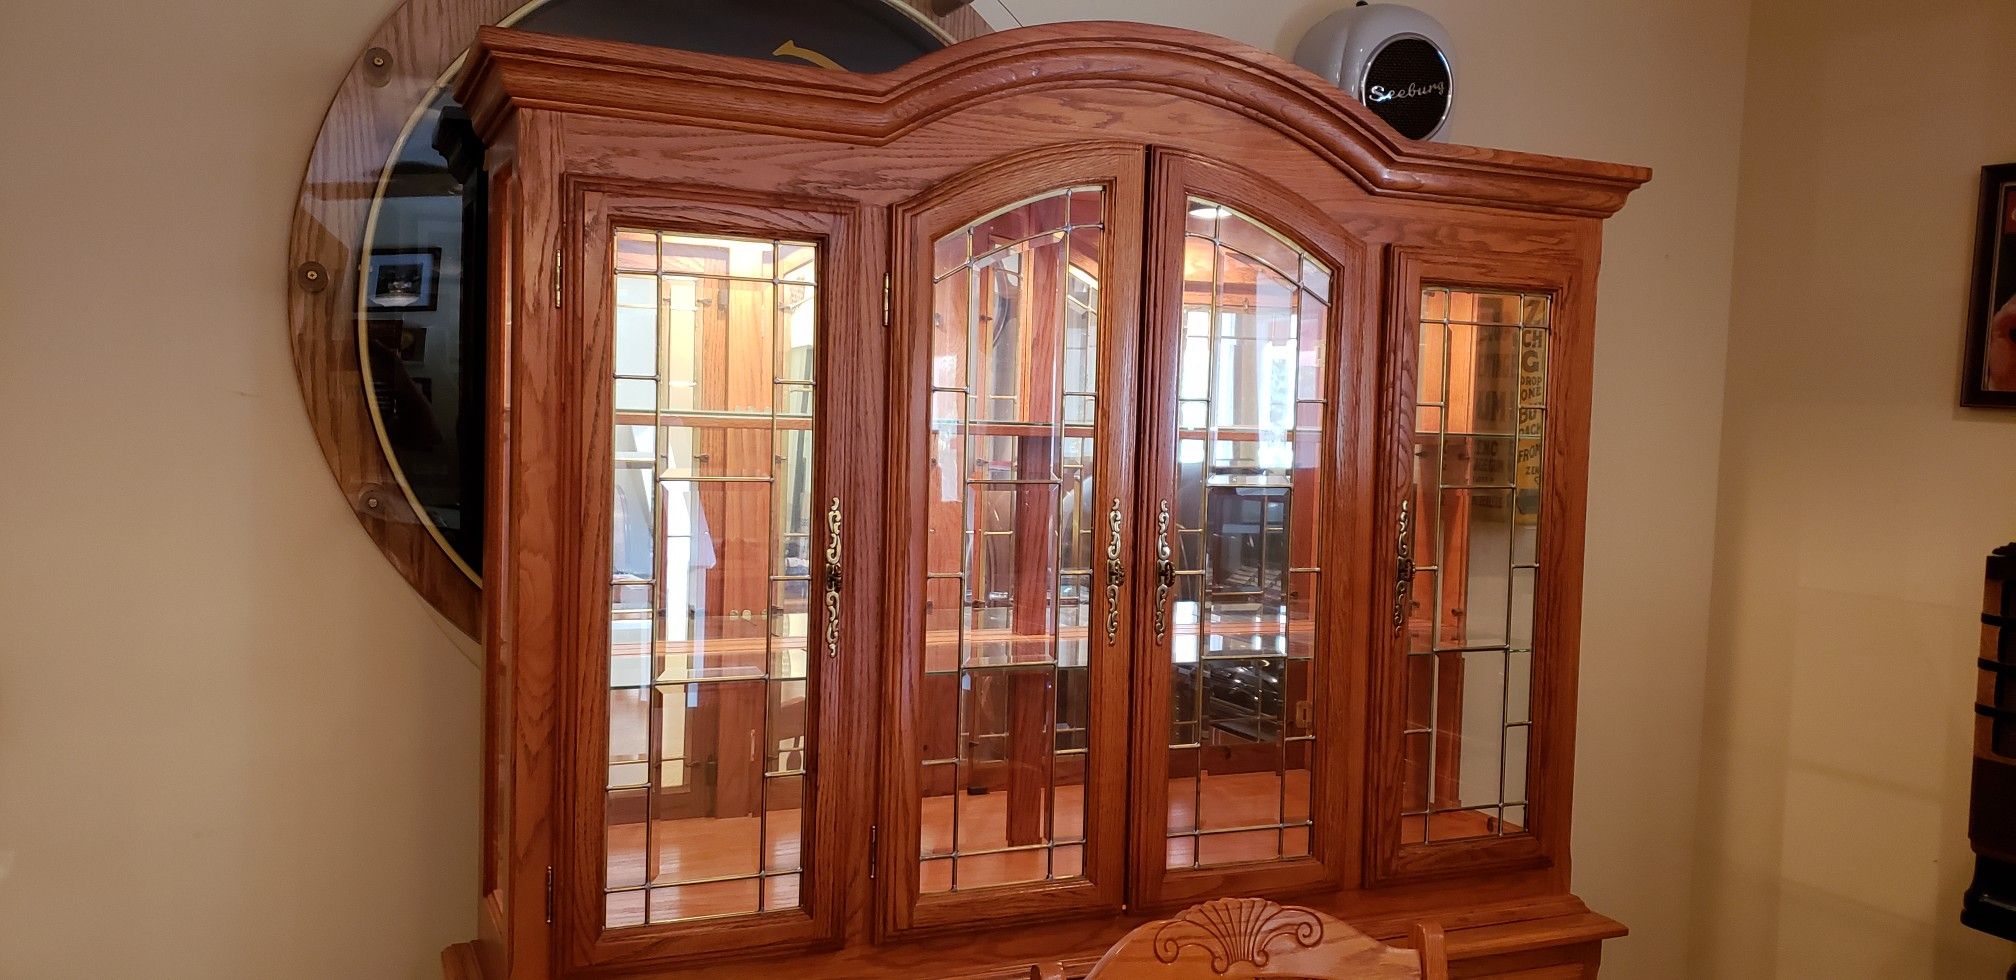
549,894
559,266
887,287
874,851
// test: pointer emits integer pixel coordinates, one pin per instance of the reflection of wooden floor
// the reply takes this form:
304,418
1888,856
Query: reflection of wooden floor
709,848
704,848
1455,826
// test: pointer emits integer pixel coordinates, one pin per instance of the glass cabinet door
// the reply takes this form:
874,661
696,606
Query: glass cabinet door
713,333
1469,628
1010,576
1243,522
1239,748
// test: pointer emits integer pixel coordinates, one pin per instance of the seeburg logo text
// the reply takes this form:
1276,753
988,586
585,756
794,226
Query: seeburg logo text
1414,90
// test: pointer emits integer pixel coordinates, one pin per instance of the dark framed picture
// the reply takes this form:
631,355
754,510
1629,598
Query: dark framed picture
1991,309
402,280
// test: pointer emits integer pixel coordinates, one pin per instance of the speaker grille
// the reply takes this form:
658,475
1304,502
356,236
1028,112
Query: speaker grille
1407,84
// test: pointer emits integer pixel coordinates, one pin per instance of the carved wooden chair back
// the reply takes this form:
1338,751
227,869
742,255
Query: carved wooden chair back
1242,938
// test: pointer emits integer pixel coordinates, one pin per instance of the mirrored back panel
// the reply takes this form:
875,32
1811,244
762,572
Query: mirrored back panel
710,575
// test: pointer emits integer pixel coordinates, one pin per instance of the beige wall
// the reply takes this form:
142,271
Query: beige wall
1857,501
234,745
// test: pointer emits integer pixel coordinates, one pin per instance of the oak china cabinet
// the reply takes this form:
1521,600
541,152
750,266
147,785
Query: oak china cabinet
943,519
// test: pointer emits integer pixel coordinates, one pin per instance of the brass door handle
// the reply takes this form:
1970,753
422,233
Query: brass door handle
1403,584
834,578
1165,571
1116,572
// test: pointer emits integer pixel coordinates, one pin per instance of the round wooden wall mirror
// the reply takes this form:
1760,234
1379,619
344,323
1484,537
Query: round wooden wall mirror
388,253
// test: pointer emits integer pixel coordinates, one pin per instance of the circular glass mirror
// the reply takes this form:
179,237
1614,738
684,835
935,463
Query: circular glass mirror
390,244
421,312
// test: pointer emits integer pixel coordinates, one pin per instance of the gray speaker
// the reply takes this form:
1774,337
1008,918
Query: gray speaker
1393,58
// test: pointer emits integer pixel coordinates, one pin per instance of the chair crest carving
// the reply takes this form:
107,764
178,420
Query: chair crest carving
1236,930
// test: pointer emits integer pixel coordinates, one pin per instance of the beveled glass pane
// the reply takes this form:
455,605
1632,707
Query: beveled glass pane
700,901
623,818
1074,709
786,720
1236,231
1520,634
713,256
1479,450
1003,868
1184,708
719,344
629,736
950,301
1515,763
1075,606
1004,799
1040,217
624,908
710,719
1296,783
1301,615
934,877
1518,687
1431,367
783,823
1485,537
1294,842
637,335
1013,576
714,609
1239,847
1067,797
1182,804
939,782
1012,540
797,262
781,892
797,331
636,395
1068,861
944,610
1081,310
636,251
1483,688
710,786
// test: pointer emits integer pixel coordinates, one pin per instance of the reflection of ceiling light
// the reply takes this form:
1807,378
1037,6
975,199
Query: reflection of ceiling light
1210,212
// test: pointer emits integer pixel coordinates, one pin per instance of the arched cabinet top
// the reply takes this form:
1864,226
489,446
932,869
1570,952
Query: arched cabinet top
509,70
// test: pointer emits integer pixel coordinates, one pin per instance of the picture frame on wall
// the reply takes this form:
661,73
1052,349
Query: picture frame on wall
1990,362
402,280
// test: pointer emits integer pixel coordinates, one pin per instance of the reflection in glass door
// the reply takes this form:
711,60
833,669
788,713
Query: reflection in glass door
710,575
1480,421
1241,531
1014,519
